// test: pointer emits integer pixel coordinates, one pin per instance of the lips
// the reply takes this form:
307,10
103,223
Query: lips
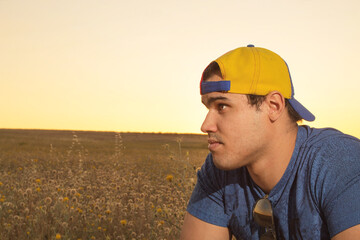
213,144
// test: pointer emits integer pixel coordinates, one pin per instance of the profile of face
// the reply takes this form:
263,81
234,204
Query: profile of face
237,132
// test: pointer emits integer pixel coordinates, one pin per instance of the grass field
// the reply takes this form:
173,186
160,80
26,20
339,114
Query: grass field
96,185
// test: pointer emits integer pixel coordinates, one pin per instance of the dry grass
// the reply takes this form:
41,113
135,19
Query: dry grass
95,185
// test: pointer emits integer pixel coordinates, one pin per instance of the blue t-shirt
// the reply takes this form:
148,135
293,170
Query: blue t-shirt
317,197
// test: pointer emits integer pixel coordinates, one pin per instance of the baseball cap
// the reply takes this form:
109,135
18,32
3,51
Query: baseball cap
258,71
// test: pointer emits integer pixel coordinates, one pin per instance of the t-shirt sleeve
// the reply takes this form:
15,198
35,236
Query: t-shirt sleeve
207,201
339,190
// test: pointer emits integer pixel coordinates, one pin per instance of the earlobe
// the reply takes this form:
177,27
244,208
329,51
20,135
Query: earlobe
276,103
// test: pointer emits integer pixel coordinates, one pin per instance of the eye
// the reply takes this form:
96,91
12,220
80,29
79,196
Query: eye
222,107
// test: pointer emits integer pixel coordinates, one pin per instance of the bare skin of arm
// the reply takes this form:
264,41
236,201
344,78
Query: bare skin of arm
196,229
350,233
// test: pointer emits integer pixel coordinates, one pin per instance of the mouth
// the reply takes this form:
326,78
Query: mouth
214,144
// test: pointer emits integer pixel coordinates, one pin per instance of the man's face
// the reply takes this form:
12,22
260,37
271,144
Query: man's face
237,131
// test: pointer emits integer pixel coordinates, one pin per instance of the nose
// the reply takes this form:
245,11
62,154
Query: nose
209,124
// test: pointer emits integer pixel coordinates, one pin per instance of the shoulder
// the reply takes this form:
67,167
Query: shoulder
334,163
330,152
331,143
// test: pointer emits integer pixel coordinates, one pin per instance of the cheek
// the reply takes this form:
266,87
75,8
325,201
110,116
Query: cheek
247,131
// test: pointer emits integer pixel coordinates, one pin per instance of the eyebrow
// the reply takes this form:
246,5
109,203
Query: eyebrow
210,100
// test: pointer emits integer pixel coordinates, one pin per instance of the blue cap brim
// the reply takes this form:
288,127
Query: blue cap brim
218,86
301,110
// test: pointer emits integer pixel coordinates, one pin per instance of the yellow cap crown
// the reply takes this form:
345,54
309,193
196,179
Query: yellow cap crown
254,70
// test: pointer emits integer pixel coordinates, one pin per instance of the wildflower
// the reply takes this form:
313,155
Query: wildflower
38,189
48,200
28,191
159,210
1,183
108,211
38,180
58,236
169,178
65,199
123,222
26,211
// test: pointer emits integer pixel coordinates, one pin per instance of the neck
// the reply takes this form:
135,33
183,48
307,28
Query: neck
267,171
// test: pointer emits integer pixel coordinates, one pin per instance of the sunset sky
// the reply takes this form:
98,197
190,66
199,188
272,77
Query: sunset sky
136,65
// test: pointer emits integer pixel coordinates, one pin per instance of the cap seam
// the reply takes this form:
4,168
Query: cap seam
257,70
254,73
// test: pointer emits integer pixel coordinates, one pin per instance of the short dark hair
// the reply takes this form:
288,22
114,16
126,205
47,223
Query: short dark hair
212,69
254,100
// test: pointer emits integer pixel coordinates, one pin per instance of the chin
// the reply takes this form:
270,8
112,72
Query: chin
223,165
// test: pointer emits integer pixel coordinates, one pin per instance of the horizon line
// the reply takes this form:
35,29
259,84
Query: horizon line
109,131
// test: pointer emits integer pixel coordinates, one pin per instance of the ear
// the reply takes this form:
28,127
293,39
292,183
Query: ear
276,104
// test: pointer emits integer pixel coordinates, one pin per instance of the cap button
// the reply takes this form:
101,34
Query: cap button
250,45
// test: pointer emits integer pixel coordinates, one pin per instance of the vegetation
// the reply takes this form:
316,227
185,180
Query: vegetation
96,185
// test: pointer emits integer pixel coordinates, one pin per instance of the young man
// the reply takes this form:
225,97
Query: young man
266,177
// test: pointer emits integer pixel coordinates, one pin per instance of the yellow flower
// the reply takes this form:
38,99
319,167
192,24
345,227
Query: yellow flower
159,210
123,222
58,236
38,189
169,178
65,199
108,211
1,183
38,180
